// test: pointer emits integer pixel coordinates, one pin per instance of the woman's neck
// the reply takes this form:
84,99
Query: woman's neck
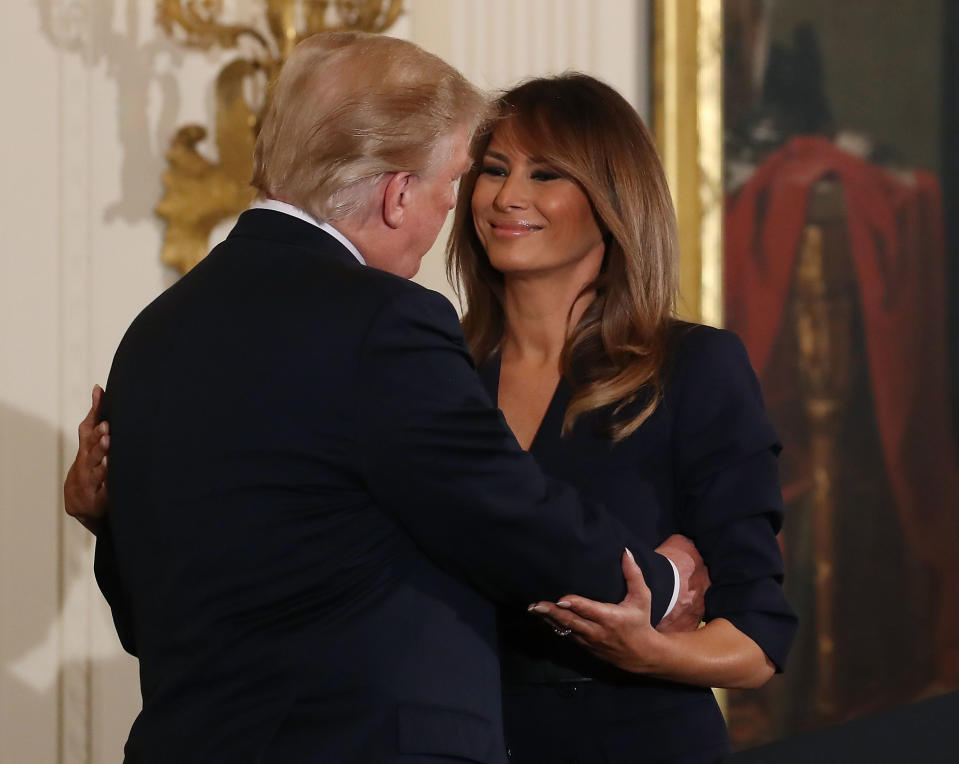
540,311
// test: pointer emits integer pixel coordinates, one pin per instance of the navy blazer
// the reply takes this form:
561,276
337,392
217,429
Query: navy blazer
704,465
313,502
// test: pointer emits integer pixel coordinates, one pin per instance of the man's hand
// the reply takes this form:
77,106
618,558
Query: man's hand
693,583
85,489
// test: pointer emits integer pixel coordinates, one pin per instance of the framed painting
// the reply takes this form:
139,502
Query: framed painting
813,151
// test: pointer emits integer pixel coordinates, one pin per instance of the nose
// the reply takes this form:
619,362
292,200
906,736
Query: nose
512,193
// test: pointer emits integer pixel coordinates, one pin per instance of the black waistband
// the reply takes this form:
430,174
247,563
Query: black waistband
520,669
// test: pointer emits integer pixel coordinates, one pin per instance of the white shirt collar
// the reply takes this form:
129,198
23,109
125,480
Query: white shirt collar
288,209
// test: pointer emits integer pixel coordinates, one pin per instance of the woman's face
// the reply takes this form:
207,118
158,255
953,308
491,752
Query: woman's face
530,218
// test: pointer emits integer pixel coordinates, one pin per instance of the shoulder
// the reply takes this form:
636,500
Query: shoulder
715,395
701,357
405,301
408,317
704,349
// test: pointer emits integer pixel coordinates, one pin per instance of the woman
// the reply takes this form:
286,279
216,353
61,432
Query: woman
564,243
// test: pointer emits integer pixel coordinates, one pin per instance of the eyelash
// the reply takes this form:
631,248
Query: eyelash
494,170
501,172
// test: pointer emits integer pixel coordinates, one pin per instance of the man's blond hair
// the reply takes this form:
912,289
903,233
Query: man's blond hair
349,107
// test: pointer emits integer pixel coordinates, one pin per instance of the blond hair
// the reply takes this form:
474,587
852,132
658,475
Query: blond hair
587,131
349,107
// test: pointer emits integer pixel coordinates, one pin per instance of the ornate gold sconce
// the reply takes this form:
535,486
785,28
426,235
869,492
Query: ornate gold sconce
200,192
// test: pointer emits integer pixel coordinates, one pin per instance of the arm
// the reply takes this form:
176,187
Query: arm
85,489
438,456
731,499
85,498
717,655
731,506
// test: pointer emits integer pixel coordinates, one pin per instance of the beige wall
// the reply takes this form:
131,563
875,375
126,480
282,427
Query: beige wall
91,93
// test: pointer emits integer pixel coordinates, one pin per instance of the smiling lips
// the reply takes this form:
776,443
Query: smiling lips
513,228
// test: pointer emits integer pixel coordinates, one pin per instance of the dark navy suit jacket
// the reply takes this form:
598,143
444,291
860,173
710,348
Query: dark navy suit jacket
313,504
703,465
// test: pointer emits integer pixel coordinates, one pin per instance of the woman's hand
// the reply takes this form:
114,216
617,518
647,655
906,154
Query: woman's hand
85,489
618,634
716,655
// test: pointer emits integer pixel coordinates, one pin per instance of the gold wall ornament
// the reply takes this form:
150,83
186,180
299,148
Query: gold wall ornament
687,122
688,127
199,192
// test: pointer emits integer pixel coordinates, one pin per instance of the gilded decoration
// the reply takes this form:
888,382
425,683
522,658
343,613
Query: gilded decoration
201,192
687,121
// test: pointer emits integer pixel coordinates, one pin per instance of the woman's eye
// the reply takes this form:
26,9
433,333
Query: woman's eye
546,175
494,170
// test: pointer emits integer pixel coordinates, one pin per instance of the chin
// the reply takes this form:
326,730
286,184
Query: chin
508,266
410,269
403,270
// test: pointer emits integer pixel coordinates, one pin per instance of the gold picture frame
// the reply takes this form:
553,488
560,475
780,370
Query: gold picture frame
687,122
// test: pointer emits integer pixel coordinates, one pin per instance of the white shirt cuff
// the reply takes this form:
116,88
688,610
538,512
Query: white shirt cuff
672,601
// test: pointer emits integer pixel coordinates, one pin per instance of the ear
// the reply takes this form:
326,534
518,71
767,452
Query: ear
397,198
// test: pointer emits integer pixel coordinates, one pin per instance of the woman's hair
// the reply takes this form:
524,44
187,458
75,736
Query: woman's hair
355,106
584,129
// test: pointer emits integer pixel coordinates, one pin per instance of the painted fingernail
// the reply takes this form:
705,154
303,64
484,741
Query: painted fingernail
564,604
540,609
630,554
530,608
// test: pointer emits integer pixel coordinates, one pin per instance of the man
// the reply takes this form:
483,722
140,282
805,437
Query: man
312,499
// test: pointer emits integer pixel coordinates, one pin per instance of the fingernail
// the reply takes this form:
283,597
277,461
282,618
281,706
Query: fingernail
103,461
539,609
630,554
564,604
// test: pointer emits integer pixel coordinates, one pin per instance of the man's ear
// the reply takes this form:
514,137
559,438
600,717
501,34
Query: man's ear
397,198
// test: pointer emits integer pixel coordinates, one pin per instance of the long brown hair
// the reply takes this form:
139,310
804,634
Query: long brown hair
586,130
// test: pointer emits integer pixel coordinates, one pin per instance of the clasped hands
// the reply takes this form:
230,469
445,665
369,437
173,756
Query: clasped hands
621,634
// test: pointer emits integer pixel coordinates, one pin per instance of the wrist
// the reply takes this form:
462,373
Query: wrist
650,652
92,524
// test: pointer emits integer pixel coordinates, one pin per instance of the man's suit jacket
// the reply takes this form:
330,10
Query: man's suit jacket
313,502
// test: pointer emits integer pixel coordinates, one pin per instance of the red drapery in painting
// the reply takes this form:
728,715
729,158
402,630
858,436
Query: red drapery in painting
897,247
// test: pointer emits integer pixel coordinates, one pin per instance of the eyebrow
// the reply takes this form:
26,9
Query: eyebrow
504,158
